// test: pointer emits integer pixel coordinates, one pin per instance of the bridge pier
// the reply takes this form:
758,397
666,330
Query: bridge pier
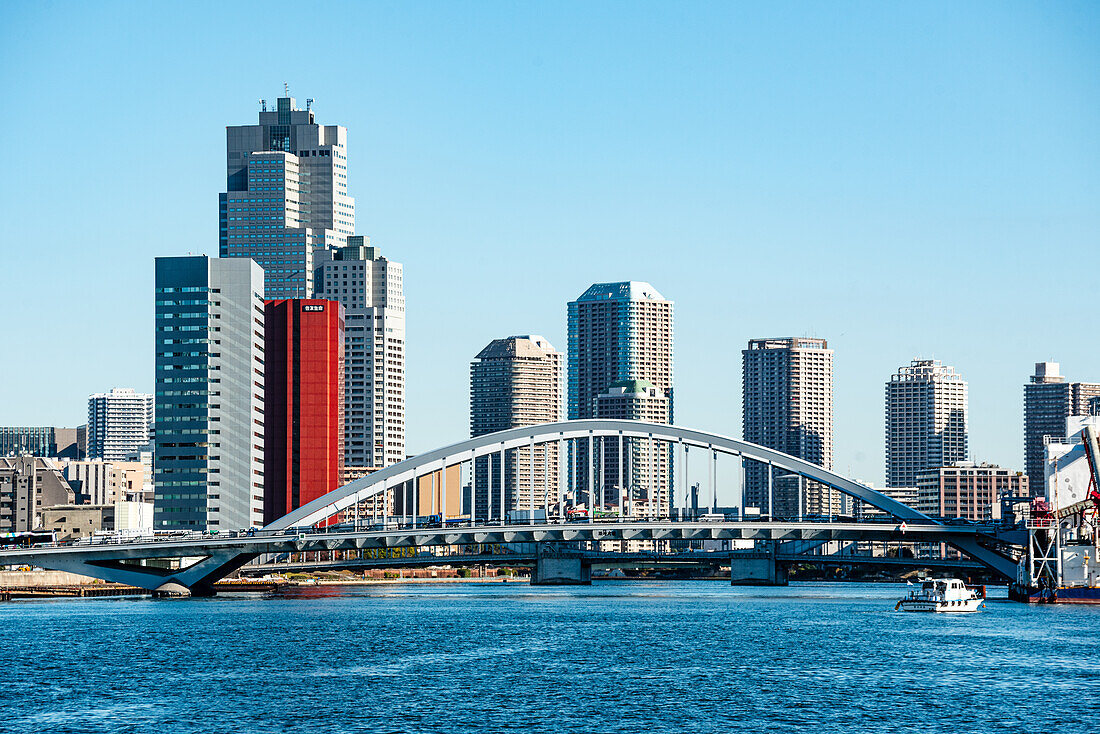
757,568
553,568
150,572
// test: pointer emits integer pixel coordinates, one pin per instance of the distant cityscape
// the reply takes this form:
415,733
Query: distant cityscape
280,376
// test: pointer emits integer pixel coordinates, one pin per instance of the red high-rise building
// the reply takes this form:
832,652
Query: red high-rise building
303,402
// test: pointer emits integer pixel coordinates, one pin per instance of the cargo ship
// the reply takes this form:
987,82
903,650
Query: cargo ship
1062,562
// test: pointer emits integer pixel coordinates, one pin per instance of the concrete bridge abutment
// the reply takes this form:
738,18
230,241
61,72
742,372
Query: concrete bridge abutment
757,568
557,568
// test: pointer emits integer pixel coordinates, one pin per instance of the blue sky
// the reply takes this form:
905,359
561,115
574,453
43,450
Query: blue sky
902,179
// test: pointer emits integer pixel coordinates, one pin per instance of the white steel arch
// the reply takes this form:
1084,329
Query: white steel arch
347,496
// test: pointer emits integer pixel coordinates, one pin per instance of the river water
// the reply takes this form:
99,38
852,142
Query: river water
619,656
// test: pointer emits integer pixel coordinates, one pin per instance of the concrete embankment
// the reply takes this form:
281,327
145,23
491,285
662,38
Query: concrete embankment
42,584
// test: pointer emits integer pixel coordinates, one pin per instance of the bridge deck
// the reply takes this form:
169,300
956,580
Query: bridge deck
597,559
293,541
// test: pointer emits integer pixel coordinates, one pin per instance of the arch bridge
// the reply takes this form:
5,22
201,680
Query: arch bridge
631,477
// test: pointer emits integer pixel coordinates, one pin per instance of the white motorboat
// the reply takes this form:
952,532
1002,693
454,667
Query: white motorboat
941,595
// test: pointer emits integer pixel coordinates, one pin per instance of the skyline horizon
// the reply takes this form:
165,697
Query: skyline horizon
733,434
907,194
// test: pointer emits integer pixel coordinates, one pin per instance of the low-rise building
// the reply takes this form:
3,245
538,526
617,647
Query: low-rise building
905,495
100,482
27,485
73,522
134,517
969,490
46,441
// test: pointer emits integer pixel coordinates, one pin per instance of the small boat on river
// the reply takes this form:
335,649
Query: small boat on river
941,595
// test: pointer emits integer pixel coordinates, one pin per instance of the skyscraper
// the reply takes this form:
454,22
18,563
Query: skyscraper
303,402
787,387
118,423
286,195
516,381
1048,401
621,331
370,288
209,437
926,421
645,464
618,331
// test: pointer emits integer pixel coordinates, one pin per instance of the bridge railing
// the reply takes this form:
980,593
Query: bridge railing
427,524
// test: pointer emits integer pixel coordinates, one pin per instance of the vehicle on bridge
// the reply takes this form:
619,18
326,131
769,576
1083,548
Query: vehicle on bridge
27,539
576,514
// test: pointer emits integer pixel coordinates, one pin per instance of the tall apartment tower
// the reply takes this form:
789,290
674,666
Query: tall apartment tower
644,464
209,411
926,421
516,381
286,195
1048,401
621,332
787,387
118,423
370,288
303,402
618,331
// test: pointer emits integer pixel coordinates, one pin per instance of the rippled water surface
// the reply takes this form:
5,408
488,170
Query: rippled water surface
614,657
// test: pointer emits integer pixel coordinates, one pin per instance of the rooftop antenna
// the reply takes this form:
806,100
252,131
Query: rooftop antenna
286,89
309,103
263,105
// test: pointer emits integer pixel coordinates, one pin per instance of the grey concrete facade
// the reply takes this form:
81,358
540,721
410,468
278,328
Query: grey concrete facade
926,420
787,390
515,381
371,289
208,451
286,195
27,485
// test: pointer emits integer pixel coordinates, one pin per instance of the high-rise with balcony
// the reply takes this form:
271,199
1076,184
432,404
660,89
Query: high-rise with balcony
621,332
618,331
926,420
286,195
209,399
118,423
787,388
1048,400
370,288
516,381
644,464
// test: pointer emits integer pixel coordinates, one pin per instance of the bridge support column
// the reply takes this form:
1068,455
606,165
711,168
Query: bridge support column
555,568
757,568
